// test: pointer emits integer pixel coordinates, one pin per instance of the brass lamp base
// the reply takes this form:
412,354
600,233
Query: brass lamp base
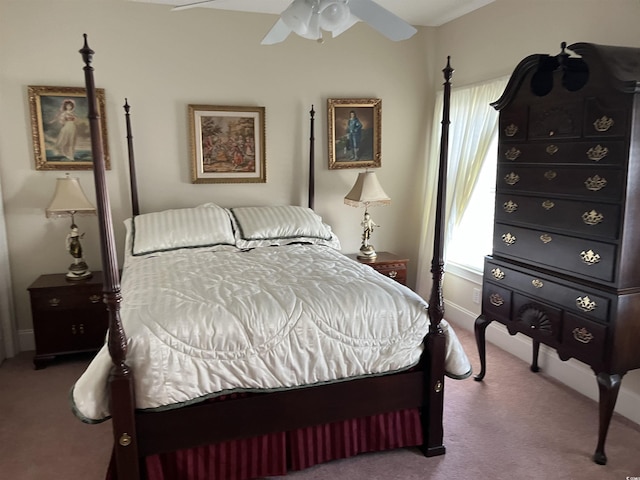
367,252
78,271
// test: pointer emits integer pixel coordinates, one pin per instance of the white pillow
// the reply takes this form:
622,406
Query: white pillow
280,225
181,228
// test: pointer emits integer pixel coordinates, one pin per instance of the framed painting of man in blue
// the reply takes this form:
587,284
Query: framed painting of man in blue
354,126
60,128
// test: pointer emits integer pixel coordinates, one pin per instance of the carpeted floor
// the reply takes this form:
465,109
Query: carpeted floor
514,425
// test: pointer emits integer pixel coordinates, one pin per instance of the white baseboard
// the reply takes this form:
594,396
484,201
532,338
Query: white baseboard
26,341
572,373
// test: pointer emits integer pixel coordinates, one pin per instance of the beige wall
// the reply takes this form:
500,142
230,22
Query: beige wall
162,61
489,43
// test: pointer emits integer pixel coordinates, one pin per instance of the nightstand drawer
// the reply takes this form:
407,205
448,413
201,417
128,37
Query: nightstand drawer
62,300
397,271
387,264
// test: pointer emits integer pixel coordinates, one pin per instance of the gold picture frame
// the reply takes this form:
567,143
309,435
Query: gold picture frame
60,128
227,144
360,147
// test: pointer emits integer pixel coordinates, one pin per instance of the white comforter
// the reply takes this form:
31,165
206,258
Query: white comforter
210,321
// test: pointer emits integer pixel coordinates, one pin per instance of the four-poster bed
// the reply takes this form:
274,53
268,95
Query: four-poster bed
398,395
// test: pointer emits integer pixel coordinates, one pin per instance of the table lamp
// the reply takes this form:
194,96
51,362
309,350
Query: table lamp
69,200
367,192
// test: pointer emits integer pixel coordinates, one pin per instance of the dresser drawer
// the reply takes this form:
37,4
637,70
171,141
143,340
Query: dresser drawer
496,302
62,299
594,184
568,296
583,340
592,153
536,319
590,219
572,254
397,271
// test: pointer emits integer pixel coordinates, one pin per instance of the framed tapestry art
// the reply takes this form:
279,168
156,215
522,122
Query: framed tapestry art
60,128
354,132
227,144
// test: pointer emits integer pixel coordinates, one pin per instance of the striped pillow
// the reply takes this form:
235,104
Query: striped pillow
280,225
181,228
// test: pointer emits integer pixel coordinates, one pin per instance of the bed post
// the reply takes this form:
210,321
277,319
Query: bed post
135,209
311,159
435,347
121,378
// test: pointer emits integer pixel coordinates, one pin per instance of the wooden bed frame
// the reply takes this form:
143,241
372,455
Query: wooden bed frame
138,434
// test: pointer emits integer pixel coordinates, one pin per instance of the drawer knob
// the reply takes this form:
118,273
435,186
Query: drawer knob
54,302
589,257
511,130
537,283
586,304
393,274
512,154
597,153
552,149
550,174
95,298
496,300
545,238
548,204
595,183
592,218
582,335
603,124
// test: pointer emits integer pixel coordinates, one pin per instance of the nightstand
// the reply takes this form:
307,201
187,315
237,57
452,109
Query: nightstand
69,316
387,264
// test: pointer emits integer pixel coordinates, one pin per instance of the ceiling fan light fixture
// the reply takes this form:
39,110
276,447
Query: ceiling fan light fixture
333,14
298,16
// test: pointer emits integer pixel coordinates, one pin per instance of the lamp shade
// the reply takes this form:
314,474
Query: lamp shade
333,14
68,199
367,191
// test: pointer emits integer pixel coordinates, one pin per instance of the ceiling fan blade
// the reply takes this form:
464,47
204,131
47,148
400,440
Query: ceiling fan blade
278,33
190,5
387,23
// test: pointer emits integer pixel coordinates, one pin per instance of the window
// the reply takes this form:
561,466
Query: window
472,238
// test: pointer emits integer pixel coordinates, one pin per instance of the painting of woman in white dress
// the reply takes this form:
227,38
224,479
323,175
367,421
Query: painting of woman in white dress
61,129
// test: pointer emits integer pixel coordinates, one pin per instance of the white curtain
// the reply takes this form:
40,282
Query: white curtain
7,324
473,125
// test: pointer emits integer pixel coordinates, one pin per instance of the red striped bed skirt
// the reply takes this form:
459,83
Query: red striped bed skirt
278,453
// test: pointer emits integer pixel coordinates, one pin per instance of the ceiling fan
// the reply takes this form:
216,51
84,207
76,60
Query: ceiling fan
308,17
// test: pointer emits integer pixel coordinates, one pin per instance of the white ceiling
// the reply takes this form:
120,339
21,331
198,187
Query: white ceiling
428,13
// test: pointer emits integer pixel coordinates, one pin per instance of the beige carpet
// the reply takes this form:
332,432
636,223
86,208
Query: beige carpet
514,425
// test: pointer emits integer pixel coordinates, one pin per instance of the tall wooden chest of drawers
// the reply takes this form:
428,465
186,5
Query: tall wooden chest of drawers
565,265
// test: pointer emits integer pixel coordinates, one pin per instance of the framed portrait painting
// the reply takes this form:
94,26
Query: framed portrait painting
354,132
227,144
60,128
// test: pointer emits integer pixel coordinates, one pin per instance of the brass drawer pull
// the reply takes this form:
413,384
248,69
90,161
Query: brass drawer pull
603,124
592,217
497,274
589,257
512,154
545,238
95,298
510,206
548,204
509,239
78,331
550,174
537,283
512,178
595,183
496,300
393,274
552,149
582,335
511,130
586,304
54,302
597,153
